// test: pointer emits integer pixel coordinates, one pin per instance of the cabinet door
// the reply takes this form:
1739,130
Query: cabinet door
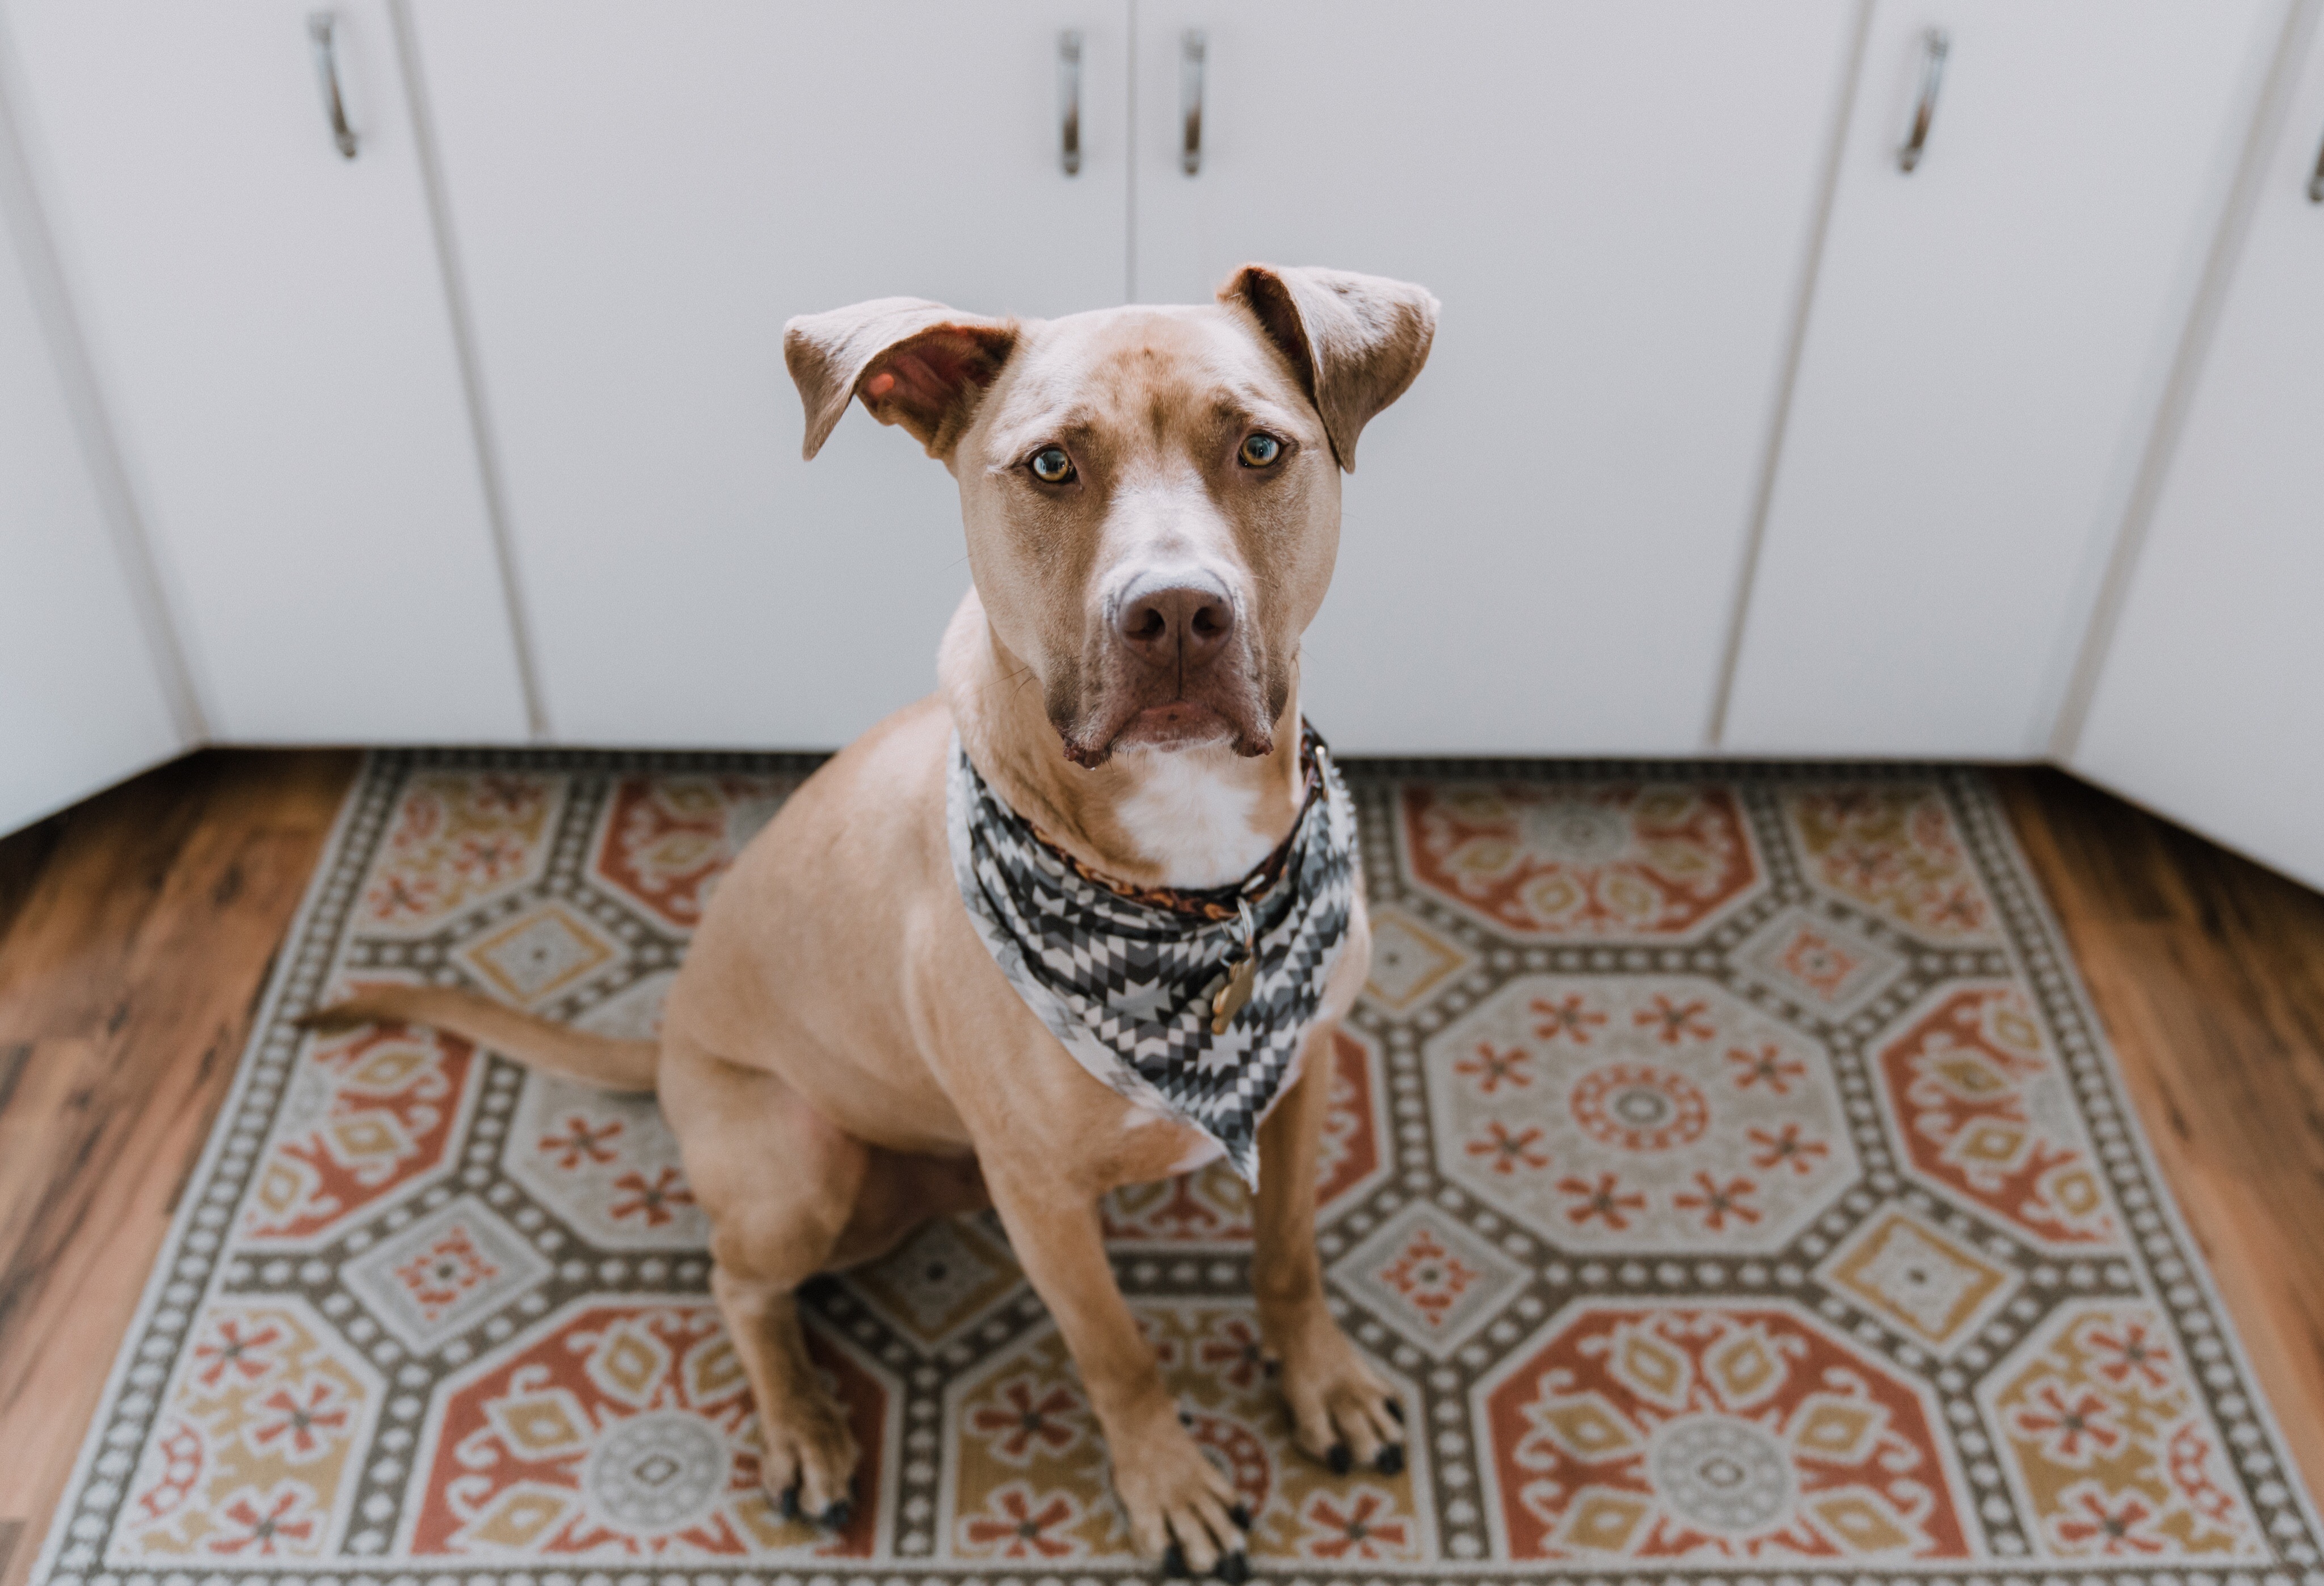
2210,701
1984,355
269,326
1614,201
640,198
80,700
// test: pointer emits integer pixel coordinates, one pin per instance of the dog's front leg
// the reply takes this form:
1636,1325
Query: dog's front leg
1341,1411
1181,1508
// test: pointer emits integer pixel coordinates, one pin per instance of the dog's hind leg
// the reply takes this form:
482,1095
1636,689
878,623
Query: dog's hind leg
781,1186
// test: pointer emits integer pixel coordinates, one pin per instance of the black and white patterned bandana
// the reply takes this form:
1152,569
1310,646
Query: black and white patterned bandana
1125,976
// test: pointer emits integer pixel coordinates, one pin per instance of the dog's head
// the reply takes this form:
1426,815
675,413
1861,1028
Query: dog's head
1151,494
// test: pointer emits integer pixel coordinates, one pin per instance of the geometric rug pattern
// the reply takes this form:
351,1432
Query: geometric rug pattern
1723,1163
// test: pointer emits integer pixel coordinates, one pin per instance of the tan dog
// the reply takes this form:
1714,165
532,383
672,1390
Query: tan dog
1152,501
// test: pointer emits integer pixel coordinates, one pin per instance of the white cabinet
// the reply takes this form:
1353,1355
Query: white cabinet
2210,703
1984,355
1615,203
640,197
487,431
269,326
81,701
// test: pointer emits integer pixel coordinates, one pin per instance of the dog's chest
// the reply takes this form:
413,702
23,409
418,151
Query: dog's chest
1199,829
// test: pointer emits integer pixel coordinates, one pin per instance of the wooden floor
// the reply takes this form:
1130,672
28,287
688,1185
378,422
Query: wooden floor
2208,973
137,932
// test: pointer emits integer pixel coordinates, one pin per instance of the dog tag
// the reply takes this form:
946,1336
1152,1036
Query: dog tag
1234,993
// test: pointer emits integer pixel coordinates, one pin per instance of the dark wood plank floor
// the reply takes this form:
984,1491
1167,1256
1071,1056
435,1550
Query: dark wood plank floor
136,931
135,934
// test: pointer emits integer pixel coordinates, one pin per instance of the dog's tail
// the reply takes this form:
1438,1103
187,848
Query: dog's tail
537,1043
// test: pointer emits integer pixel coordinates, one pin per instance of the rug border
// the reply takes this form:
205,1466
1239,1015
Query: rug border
367,776
2231,1331
382,769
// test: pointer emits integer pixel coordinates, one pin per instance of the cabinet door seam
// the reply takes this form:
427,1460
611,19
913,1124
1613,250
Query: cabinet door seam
1787,377
472,380
2269,118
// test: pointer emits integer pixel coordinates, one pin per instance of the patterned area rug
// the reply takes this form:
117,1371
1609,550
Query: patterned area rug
1723,1162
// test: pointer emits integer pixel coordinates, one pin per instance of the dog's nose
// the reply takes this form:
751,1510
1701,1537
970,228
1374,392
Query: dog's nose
1186,620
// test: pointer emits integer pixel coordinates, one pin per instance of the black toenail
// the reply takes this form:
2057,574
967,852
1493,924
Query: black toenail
1396,1410
1240,1516
1234,1569
1390,1460
1341,1461
789,1503
1173,1563
836,1516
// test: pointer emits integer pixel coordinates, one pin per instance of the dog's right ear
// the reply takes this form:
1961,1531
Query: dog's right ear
914,363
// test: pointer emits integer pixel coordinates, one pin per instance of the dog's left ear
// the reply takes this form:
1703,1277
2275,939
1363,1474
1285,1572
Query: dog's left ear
1355,341
914,363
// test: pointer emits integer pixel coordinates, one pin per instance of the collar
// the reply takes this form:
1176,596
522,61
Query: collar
1212,903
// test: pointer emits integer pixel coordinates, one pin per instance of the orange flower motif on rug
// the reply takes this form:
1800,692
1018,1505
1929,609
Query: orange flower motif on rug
251,1462
1981,1104
372,1113
1897,852
1743,1433
1652,861
665,840
2099,1426
458,840
623,1432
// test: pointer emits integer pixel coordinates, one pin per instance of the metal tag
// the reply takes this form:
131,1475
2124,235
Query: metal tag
1234,993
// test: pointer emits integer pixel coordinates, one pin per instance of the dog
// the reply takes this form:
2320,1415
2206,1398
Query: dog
1151,496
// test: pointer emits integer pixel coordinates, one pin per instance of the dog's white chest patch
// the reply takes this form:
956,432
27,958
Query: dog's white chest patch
1197,829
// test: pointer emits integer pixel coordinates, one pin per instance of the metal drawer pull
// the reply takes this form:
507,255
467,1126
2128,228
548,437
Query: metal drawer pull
1069,101
321,32
2316,182
1935,43
1194,46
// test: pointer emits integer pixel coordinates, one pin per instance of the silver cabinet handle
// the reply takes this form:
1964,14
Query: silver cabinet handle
322,32
2316,179
1193,45
1935,44
1069,101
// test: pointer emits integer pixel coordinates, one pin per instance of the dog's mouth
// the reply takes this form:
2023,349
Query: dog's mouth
1182,723
1223,710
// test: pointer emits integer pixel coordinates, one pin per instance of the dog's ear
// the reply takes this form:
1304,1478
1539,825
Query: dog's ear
914,363
1355,341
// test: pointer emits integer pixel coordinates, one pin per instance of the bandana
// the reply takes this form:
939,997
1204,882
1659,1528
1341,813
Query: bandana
1131,978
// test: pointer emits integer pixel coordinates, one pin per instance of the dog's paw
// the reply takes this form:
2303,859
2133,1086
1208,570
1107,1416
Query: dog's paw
806,1463
1183,1509
1341,1413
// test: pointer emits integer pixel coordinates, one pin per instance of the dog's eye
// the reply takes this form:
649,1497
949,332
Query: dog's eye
1050,464
1260,449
